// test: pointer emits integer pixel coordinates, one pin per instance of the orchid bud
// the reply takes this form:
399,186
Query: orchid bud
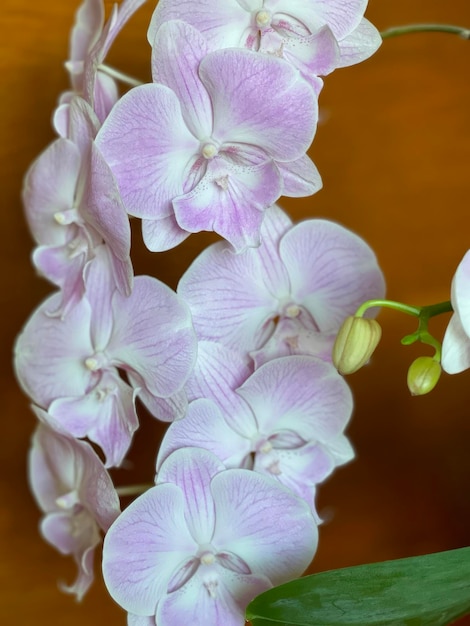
355,342
423,375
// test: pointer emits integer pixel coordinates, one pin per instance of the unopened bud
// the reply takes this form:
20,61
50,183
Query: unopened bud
355,342
423,375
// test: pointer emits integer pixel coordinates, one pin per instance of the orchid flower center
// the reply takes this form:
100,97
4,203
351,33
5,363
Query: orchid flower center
209,150
263,19
64,218
95,362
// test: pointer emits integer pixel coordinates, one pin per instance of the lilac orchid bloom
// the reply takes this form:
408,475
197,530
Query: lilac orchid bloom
90,41
286,420
71,367
77,496
289,295
73,205
212,143
456,344
202,543
316,36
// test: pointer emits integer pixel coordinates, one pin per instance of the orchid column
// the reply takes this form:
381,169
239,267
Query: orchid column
240,355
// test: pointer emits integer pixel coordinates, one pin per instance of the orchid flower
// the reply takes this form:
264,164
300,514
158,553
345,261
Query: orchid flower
285,420
197,547
289,295
71,367
90,40
77,497
316,36
456,344
212,143
72,205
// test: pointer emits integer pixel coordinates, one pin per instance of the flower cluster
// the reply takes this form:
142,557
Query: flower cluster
239,358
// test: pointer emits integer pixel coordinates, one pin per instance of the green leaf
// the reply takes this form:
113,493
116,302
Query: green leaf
430,590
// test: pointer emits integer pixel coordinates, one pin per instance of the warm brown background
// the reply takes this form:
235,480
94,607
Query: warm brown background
394,152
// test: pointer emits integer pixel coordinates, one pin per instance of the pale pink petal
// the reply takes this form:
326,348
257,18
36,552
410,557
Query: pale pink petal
192,469
455,347
228,298
162,234
176,54
204,426
300,178
260,100
342,17
303,394
360,44
143,548
332,271
222,23
230,200
50,353
148,148
153,336
193,603
49,189
263,523
460,292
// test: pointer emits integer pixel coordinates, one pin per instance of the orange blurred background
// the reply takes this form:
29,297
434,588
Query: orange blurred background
393,149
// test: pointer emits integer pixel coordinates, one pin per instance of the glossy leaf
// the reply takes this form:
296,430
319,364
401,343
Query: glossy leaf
430,590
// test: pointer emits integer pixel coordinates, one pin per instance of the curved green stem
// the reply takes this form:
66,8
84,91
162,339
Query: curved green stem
396,31
124,78
132,490
425,312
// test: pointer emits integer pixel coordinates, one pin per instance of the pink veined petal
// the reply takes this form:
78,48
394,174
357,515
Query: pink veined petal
217,597
82,125
204,426
192,469
63,266
300,393
106,415
332,271
260,100
340,15
59,465
230,200
143,548
165,409
455,347
148,147
50,353
224,24
360,44
89,22
49,188
100,287
176,54
103,207
300,178
162,234
263,523
227,296
153,336
300,469
313,55
105,95
219,371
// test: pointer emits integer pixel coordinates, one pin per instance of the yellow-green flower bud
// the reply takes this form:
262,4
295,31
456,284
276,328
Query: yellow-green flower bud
355,342
423,375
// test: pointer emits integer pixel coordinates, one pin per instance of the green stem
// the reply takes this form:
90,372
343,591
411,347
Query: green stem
132,490
396,31
124,78
424,312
